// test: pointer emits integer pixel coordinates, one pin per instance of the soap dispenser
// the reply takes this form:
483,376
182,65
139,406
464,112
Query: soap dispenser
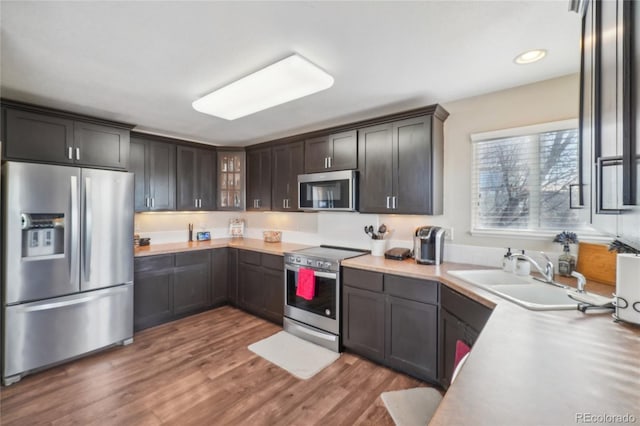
507,262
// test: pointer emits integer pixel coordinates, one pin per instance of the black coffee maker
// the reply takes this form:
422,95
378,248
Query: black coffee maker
428,245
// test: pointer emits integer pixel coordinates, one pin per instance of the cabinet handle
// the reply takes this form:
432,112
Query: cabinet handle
394,202
284,203
146,201
153,202
200,202
77,153
70,153
330,161
195,203
325,162
388,201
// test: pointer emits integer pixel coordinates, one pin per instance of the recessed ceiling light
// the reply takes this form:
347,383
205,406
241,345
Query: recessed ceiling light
530,56
291,78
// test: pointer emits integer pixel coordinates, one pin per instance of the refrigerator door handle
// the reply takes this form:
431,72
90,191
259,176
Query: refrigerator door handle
73,244
45,306
88,227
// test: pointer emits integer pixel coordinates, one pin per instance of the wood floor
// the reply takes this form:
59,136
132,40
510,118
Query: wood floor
198,371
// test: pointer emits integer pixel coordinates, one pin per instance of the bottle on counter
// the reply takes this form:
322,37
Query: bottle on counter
507,262
523,267
566,262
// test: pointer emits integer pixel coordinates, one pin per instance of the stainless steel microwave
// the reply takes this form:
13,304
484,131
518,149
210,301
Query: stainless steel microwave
328,191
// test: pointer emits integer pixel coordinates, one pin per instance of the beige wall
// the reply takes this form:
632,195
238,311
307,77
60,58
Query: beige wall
546,101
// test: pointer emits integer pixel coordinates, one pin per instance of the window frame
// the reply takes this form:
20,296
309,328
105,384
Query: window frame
585,231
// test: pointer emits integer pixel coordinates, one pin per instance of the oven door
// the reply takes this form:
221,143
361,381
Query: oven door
323,310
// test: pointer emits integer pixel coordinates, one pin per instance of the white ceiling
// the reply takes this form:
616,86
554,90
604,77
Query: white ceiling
145,62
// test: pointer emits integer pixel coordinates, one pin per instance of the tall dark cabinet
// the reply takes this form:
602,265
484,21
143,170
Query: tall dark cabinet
154,166
288,163
609,118
196,171
401,165
259,179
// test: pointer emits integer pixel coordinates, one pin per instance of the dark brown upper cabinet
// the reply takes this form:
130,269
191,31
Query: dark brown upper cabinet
35,134
401,166
287,164
609,117
337,151
154,166
259,179
196,172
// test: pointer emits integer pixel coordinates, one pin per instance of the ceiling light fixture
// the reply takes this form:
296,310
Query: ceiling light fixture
530,56
291,78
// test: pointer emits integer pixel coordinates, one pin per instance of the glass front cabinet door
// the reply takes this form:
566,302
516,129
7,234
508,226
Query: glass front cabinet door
231,177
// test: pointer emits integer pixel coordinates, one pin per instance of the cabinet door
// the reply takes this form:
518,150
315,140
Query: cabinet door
259,179
413,167
206,179
219,276
316,152
230,182
344,148
232,271
251,288
451,330
102,146
137,161
375,152
411,337
162,176
288,163
363,326
152,298
38,137
187,178
273,282
191,288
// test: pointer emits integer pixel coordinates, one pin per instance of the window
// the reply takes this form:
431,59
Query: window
521,178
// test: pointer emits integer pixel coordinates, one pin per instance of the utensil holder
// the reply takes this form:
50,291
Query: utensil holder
378,247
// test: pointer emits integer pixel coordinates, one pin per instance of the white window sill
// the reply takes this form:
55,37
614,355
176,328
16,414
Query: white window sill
586,235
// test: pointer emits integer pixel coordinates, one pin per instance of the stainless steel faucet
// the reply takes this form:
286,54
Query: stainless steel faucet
547,272
582,281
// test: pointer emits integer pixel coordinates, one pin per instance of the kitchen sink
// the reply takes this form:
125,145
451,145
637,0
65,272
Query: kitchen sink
524,291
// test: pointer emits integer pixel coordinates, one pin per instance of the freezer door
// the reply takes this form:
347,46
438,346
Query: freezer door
41,226
107,229
38,334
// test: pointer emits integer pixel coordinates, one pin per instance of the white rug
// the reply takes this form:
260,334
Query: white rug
412,407
301,358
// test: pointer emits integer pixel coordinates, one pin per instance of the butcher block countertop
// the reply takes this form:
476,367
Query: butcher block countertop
535,368
239,243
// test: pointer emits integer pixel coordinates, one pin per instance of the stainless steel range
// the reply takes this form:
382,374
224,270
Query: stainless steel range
316,316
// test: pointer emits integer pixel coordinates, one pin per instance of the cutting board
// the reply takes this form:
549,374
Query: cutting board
597,263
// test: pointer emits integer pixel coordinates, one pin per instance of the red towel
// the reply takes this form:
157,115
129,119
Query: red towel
461,350
306,284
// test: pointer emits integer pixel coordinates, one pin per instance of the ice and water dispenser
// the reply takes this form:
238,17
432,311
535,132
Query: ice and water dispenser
42,234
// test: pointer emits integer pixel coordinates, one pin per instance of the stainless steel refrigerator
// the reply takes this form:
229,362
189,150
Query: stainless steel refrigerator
67,270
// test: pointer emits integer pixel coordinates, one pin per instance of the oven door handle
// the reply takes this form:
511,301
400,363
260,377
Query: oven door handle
329,275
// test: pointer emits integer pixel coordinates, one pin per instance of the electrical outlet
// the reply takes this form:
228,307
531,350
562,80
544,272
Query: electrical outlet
448,234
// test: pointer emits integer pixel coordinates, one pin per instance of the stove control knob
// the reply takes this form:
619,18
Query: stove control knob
327,265
319,264
309,262
297,259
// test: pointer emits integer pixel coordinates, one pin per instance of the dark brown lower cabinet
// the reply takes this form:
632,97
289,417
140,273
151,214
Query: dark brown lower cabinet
363,322
232,284
219,276
261,284
460,319
152,291
191,282
168,287
411,337
392,320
